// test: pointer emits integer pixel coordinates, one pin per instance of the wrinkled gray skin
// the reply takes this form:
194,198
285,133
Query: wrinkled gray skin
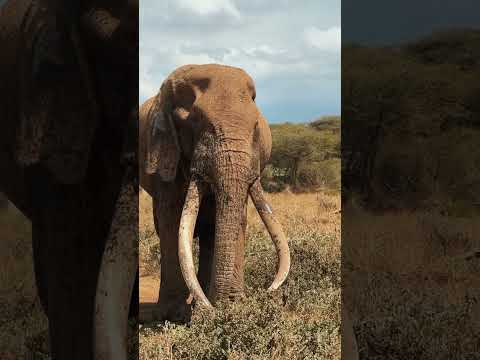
224,142
62,142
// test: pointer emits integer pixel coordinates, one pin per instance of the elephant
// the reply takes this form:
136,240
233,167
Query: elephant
203,144
3,201
69,140
349,341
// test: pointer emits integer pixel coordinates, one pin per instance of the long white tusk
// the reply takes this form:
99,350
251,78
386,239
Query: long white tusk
185,239
276,233
116,279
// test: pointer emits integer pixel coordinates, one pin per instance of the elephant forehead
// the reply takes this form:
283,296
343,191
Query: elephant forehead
205,77
226,108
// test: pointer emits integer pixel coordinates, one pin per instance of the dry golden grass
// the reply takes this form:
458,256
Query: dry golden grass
412,292
299,321
403,274
22,318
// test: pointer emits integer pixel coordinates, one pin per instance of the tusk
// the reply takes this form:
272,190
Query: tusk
116,279
185,238
276,233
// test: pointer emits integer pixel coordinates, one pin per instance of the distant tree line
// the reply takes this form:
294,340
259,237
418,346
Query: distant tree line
305,157
411,122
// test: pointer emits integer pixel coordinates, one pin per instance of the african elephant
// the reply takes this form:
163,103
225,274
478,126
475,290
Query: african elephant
349,341
203,145
69,110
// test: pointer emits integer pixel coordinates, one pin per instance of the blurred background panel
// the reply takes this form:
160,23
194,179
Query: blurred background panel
23,319
411,177
68,167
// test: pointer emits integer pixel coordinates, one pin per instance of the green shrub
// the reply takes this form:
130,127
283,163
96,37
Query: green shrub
322,174
305,157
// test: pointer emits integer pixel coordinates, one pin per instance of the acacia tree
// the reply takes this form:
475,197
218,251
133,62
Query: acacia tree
372,100
293,145
400,102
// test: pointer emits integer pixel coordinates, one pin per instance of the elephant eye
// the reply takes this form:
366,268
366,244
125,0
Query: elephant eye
181,113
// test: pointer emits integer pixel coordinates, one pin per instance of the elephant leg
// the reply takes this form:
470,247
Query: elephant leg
207,238
205,230
173,291
71,270
70,315
206,234
65,262
40,262
72,279
135,300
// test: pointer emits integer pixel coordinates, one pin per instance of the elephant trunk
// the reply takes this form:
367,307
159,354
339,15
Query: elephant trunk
116,279
276,233
231,194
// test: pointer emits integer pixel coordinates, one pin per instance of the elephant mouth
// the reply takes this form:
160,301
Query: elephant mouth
196,190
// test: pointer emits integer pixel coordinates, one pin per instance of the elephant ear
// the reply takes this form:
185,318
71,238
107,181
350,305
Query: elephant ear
162,148
58,113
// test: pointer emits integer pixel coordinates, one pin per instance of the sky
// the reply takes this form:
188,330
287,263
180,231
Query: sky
380,22
290,48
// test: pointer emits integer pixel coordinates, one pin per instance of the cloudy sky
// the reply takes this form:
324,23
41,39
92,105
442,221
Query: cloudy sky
290,48
380,22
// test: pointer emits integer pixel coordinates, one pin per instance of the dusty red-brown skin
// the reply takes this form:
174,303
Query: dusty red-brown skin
224,142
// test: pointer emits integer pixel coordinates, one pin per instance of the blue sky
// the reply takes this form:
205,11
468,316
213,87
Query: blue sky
290,48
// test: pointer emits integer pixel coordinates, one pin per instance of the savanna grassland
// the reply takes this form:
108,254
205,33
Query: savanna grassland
299,321
411,190
22,324
411,283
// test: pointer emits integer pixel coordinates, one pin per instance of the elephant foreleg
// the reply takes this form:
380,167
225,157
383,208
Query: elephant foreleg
206,234
173,291
63,258
71,272
40,262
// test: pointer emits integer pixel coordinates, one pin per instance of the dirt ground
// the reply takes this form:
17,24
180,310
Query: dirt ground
149,286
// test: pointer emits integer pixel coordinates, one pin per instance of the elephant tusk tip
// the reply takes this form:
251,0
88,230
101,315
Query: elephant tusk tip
205,303
279,281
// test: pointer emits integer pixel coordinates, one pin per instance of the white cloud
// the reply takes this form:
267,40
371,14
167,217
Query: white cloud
184,59
147,84
291,49
325,40
210,7
264,49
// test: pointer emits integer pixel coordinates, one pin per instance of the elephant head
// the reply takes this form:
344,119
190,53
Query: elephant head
206,127
99,38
